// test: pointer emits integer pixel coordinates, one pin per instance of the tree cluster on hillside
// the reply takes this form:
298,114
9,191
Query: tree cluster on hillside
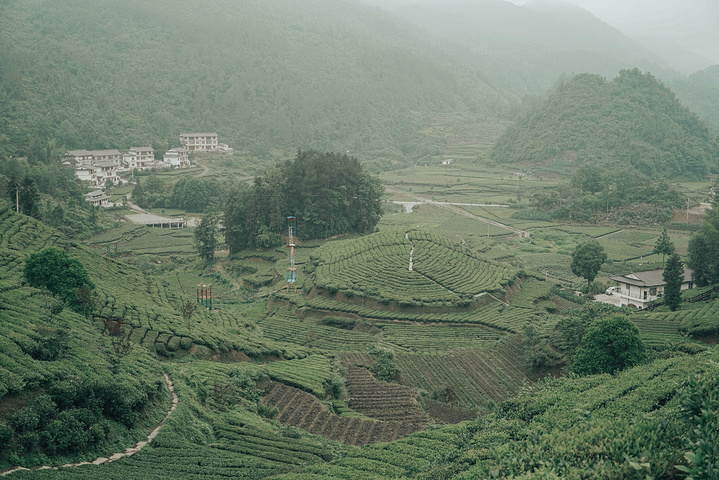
631,122
193,194
49,192
704,251
65,277
328,193
596,192
608,346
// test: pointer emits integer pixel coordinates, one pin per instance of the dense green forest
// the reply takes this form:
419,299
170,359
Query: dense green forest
700,92
269,77
632,122
330,193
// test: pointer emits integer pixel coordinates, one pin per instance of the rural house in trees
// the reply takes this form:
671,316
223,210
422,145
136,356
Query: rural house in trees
141,158
97,198
199,142
177,158
638,289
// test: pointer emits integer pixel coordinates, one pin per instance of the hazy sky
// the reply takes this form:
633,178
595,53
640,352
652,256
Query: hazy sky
692,23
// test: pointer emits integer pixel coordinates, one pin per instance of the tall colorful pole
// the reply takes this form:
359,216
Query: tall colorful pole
292,269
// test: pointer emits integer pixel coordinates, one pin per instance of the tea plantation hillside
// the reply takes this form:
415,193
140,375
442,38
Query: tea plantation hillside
356,375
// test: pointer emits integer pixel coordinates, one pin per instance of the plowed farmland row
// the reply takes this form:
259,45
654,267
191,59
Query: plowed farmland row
305,411
475,377
382,400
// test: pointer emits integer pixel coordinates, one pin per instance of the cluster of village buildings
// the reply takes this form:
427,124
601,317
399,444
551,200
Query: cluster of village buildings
98,167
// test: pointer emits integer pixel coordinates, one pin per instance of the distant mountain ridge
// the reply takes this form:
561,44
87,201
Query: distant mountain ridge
274,76
632,121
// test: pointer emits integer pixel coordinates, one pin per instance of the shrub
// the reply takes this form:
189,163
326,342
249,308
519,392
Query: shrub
6,434
610,345
53,269
339,322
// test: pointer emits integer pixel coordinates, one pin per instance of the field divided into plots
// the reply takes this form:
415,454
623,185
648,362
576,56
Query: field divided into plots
436,338
283,326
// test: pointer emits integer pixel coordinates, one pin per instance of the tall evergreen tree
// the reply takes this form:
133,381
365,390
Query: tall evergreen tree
206,237
664,245
587,259
704,250
138,193
673,276
29,197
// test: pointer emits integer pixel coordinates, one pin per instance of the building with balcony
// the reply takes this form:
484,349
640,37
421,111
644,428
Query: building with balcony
199,142
638,289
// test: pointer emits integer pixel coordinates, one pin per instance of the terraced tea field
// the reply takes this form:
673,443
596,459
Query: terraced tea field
414,268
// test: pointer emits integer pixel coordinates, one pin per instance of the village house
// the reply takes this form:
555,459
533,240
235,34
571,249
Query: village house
638,289
94,166
97,198
177,158
140,158
199,142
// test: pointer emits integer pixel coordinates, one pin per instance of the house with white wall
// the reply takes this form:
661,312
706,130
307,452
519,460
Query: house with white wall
94,166
199,142
140,158
177,158
639,289
97,198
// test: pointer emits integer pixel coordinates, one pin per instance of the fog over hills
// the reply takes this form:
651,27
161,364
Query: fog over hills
684,34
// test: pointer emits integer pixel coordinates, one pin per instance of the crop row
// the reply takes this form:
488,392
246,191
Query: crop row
283,326
495,315
475,377
530,291
303,410
457,271
309,374
694,318
429,338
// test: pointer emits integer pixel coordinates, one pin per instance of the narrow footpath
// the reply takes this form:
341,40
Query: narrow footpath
411,252
116,456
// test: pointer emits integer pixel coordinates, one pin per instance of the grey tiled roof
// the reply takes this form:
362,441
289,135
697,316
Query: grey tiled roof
649,278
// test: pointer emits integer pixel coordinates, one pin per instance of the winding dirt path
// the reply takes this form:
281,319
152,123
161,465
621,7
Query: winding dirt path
116,456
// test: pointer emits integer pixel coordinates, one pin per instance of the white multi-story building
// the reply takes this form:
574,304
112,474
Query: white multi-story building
141,158
94,166
199,142
177,158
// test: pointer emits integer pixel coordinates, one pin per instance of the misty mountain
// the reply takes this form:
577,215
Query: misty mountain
633,121
700,93
529,46
269,76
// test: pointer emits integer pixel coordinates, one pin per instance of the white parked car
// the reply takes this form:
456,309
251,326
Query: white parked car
611,290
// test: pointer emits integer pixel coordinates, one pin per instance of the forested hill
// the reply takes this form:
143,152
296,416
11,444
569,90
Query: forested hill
631,121
270,76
